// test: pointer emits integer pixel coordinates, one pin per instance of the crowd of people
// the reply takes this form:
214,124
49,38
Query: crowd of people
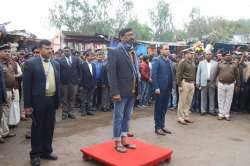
34,85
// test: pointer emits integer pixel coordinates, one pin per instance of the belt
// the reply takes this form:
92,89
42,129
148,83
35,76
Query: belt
188,81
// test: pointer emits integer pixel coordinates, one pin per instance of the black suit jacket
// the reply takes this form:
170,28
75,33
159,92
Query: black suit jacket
2,87
70,74
104,76
87,80
34,81
120,72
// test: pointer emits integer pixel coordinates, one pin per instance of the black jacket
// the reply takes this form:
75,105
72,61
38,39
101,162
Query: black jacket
34,81
87,80
70,74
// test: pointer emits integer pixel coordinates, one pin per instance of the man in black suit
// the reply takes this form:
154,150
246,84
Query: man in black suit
88,84
70,74
123,76
41,85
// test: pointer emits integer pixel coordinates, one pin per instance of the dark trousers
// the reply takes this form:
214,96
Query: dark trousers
87,99
196,102
68,97
43,123
97,98
236,102
161,107
244,103
105,98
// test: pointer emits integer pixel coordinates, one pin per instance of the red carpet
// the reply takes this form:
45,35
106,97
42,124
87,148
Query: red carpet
144,155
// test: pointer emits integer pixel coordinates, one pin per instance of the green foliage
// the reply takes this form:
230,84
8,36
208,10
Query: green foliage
94,16
161,19
142,31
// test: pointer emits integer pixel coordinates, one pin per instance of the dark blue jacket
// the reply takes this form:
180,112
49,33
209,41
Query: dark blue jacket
70,74
34,81
87,80
2,87
162,73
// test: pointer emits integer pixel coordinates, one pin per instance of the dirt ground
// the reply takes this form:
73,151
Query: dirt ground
207,142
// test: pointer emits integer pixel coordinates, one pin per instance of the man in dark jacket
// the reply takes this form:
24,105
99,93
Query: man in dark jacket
123,76
162,78
70,74
87,84
41,87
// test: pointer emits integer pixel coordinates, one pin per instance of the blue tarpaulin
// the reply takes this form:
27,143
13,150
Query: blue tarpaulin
141,49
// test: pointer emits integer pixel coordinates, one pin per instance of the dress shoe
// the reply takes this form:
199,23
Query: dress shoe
83,113
27,136
71,116
203,113
91,113
166,131
49,157
212,113
10,135
105,110
35,161
228,119
220,118
159,132
182,122
189,121
1,140
64,116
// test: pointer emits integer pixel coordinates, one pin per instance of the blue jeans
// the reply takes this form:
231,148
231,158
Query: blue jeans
173,99
121,116
144,92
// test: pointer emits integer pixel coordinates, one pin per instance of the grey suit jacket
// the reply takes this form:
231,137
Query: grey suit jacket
120,72
202,72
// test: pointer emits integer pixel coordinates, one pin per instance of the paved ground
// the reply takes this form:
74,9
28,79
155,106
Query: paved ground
207,142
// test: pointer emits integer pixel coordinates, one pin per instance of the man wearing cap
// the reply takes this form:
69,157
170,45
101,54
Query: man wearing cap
206,82
185,80
162,78
228,79
123,76
9,82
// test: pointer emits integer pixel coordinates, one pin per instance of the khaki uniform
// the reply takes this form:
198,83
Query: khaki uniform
228,76
185,79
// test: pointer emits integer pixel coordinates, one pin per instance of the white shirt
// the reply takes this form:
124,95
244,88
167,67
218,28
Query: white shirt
208,70
69,60
90,68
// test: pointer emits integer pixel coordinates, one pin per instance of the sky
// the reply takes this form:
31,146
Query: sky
32,15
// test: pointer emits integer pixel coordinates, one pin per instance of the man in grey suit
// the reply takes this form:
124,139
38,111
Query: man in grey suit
205,80
123,76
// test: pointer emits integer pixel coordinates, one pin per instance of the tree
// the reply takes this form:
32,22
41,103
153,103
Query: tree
90,16
142,31
161,19
123,13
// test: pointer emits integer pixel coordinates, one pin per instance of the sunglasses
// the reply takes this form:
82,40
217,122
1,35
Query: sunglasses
36,52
